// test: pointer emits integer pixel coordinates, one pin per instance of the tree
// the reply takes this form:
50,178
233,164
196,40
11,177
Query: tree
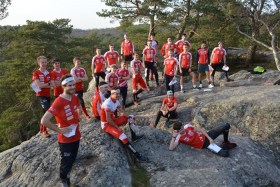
4,8
130,11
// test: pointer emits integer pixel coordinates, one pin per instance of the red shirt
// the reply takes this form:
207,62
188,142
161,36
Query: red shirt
112,80
136,65
111,57
191,137
218,55
122,73
185,59
180,45
127,48
149,54
56,76
108,106
43,77
99,63
170,66
166,47
203,56
66,114
78,72
169,103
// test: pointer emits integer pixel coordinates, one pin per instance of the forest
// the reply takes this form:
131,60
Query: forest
251,24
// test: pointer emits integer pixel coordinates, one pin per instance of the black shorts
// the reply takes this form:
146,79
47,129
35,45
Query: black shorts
185,72
128,58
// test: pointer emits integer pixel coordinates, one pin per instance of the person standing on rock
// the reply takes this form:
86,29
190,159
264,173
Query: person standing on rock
170,70
218,61
167,109
198,138
180,44
79,74
112,78
43,82
56,75
98,66
99,98
127,49
137,78
111,124
112,56
202,58
123,75
66,109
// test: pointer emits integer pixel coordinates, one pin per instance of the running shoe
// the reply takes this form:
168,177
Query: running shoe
211,86
135,139
200,86
228,145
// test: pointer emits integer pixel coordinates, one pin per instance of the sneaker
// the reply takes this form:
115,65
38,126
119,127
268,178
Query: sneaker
211,86
135,139
223,153
228,145
141,158
229,80
183,91
136,103
200,86
194,87
166,125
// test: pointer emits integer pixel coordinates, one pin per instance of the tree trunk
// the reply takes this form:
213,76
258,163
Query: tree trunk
152,26
184,22
274,50
250,57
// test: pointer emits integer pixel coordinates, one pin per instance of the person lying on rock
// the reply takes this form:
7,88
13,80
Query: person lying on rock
111,124
198,138
167,110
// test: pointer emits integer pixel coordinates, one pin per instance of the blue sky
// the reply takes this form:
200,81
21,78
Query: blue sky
82,13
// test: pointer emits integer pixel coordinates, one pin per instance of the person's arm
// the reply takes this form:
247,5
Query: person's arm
190,67
92,67
175,69
46,120
110,120
162,50
180,63
225,58
174,107
211,57
173,143
43,85
85,77
208,55
203,132
197,57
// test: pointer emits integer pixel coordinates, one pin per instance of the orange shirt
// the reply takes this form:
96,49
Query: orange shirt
111,57
149,54
203,56
169,103
170,66
78,72
185,59
218,55
127,48
99,63
56,76
43,77
166,47
66,114
180,45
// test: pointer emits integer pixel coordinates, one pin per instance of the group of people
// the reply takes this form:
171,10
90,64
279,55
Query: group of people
109,100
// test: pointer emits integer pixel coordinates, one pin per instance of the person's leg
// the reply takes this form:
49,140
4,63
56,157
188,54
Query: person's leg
45,103
123,91
217,131
193,76
159,114
96,77
82,102
214,66
103,75
200,71
167,81
148,68
116,133
154,70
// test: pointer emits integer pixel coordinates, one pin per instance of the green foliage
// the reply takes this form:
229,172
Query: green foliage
4,8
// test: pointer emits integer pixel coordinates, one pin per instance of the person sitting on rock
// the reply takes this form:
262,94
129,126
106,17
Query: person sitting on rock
98,98
167,110
111,124
198,138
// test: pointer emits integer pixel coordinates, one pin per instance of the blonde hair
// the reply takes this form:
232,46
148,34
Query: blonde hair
76,58
41,57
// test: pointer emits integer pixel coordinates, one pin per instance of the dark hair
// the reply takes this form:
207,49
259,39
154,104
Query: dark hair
153,34
54,60
177,125
76,58
149,40
184,34
65,77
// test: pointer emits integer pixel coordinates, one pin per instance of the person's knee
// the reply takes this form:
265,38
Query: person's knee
227,126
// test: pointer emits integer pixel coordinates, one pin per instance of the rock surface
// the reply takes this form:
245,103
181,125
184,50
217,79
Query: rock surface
252,111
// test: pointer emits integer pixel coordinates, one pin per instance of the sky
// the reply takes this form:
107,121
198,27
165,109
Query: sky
82,13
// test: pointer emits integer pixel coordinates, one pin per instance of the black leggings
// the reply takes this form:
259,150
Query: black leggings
217,131
97,75
168,79
123,91
45,102
80,95
150,67
218,67
170,115
68,153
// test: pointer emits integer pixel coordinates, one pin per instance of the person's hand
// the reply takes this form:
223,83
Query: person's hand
190,70
65,130
180,70
164,112
175,134
210,140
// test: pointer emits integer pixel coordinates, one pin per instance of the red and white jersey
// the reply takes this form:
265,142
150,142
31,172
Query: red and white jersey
169,102
112,80
56,76
127,48
122,73
97,100
191,137
149,53
66,113
78,72
111,57
108,106
203,56
185,59
218,55
166,47
170,66
180,44
99,63
136,65
43,77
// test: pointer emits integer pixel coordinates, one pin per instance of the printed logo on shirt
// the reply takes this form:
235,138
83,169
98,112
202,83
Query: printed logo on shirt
70,117
67,106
